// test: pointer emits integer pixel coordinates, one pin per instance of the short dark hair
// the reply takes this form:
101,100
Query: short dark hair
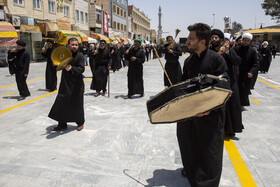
169,37
202,30
72,39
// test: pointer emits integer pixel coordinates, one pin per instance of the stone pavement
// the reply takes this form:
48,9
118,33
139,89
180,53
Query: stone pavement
118,146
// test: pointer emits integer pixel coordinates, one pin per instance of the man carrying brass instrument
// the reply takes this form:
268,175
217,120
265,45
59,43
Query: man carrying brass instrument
101,64
173,68
201,138
69,103
51,77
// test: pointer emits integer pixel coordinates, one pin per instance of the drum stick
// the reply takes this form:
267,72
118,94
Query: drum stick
162,66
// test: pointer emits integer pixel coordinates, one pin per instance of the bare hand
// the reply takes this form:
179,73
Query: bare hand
250,75
43,49
133,58
202,114
95,52
127,51
25,75
170,51
68,67
109,67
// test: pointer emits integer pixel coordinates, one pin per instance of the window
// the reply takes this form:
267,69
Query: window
118,26
122,27
114,8
82,16
51,6
20,2
37,4
86,17
77,15
124,14
121,12
66,11
118,10
98,16
114,25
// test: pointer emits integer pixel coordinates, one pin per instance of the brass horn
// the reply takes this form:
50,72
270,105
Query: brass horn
61,57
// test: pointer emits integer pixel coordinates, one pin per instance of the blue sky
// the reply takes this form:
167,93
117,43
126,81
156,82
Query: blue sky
182,13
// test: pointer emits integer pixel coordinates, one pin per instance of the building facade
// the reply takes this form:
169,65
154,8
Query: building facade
81,8
153,36
140,24
119,15
96,10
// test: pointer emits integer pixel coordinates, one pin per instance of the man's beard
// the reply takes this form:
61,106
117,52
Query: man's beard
215,44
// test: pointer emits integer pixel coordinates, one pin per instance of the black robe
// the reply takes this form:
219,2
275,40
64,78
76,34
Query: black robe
201,139
11,61
248,64
69,103
115,58
135,72
22,67
101,61
233,122
267,57
172,65
51,77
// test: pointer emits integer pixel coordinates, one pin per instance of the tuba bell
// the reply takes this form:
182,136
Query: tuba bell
61,57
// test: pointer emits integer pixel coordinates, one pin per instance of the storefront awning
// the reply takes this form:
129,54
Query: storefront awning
63,36
263,31
45,27
8,34
83,36
29,28
100,37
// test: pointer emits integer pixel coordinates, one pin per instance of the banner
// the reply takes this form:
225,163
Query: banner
105,22
63,24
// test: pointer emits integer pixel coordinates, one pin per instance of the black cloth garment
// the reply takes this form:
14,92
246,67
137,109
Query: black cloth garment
51,76
201,139
135,72
267,57
172,65
115,55
101,61
254,78
248,64
147,53
22,67
11,62
233,121
91,61
69,103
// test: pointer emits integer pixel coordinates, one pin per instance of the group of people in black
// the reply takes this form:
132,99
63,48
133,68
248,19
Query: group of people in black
212,52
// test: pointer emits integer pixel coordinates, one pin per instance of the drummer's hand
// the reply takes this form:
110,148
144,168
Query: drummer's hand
170,51
250,75
109,67
133,58
68,67
25,75
43,49
95,52
127,51
202,114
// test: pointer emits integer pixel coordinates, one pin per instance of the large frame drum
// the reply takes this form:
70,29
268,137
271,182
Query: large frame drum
184,100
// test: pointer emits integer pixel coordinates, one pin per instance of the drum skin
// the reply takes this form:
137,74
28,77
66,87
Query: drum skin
186,99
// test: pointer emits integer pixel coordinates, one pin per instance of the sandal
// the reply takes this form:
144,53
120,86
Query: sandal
127,97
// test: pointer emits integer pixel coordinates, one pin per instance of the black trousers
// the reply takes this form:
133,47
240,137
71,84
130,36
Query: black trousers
21,84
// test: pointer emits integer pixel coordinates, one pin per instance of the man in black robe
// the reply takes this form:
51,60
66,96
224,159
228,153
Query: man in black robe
51,77
220,43
136,58
21,69
267,57
201,138
69,103
102,63
247,68
173,68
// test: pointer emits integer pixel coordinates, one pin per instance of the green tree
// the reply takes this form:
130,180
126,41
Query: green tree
272,8
236,27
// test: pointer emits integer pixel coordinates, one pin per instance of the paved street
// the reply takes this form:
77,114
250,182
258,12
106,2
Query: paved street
118,146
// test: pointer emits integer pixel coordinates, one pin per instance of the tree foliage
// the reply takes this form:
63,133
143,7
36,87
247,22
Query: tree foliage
236,27
272,8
